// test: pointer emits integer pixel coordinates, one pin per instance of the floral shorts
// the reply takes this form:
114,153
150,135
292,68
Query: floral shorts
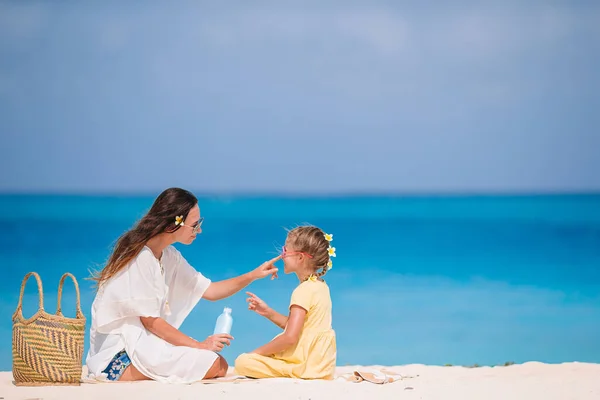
117,366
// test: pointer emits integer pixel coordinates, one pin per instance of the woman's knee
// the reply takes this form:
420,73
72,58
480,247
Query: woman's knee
218,369
223,367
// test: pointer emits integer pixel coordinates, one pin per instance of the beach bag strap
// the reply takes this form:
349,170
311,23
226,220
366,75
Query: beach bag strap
19,311
59,299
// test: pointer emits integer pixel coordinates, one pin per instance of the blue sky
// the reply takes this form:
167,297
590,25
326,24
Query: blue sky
286,97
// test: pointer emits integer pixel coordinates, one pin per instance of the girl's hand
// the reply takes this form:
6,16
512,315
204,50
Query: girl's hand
216,342
257,305
266,268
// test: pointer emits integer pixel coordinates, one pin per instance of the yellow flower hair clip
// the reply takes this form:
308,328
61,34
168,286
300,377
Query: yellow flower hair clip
331,251
179,220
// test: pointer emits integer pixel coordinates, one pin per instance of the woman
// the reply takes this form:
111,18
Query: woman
146,290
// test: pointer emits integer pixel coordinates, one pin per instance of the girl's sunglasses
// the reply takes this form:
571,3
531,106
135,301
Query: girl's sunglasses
285,253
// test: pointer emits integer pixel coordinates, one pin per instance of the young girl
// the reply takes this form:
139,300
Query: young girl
306,349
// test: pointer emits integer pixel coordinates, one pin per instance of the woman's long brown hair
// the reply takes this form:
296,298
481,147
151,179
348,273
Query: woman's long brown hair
168,205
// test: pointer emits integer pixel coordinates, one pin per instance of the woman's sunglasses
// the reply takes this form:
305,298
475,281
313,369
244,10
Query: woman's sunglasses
196,226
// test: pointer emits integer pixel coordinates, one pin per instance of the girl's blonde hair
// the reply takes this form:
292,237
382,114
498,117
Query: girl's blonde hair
311,240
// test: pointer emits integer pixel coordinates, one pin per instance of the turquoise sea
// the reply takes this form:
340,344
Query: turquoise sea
459,280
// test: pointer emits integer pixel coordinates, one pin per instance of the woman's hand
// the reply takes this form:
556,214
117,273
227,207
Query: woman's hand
216,342
266,268
222,289
257,305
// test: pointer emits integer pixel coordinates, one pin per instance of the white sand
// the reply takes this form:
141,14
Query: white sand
529,381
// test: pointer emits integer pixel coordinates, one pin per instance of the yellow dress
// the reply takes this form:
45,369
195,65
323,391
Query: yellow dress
314,355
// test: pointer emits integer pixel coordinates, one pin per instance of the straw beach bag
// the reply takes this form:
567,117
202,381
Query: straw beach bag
47,349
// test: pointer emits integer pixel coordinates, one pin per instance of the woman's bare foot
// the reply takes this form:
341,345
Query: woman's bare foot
131,373
217,370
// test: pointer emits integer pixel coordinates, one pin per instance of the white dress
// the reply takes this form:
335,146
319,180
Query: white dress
143,290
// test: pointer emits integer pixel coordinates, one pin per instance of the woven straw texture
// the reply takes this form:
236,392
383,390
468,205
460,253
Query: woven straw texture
47,349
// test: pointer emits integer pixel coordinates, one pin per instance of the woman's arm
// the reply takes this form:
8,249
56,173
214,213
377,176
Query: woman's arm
174,336
290,336
222,289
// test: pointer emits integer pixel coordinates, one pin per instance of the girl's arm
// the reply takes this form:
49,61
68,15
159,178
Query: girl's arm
174,336
278,319
289,337
258,305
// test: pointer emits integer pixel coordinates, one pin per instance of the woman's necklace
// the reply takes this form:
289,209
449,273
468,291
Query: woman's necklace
159,259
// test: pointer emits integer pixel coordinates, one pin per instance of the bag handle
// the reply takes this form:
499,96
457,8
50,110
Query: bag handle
19,310
60,289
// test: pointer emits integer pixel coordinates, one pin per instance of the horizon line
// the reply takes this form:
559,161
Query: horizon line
309,194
